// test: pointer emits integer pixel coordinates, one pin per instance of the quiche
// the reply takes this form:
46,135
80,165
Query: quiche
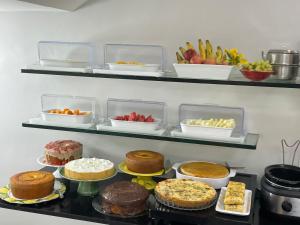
185,193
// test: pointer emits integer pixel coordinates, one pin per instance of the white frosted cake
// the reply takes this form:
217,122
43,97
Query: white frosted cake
89,169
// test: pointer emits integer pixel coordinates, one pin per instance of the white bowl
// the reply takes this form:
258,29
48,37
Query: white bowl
63,118
135,124
201,131
203,71
217,183
134,67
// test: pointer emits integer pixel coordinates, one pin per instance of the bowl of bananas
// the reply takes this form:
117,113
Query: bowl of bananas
257,71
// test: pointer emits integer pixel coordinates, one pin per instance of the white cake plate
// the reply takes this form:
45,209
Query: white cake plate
42,161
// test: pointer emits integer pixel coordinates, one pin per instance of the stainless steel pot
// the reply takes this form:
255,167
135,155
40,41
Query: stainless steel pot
284,72
282,57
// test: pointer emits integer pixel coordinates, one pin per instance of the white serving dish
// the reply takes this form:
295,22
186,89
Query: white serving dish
247,203
201,131
135,125
217,183
63,118
203,71
133,67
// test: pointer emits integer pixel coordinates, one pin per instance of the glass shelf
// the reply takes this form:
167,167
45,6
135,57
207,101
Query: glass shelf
235,79
249,143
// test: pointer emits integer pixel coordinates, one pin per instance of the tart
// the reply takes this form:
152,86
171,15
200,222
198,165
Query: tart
62,151
89,169
32,184
144,161
185,193
124,198
204,170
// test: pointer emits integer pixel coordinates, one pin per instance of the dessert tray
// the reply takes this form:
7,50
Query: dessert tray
172,205
142,179
86,187
98,207
59,190
247,204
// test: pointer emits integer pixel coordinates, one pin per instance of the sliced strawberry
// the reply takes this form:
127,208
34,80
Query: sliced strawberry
126,117
142,118
149,119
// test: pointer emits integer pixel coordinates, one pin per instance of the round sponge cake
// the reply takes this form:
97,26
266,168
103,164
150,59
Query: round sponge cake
89,169
144,161
32,184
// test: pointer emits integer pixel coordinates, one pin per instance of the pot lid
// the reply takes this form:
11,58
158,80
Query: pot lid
283,51
284,175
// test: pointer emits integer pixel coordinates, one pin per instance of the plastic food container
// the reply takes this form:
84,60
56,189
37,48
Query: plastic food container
217,183
66,54
63,118
205,131
60,102
136,125
203,71
134,67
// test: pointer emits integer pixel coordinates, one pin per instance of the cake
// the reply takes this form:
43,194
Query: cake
89,169
185,193
62,151
144,161
32,184
204,170
124,198
234,196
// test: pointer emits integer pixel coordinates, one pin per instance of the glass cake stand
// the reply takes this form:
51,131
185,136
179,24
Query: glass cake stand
86,187
42,161
143,179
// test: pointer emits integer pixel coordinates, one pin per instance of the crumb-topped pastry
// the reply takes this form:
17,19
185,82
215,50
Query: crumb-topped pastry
185,193
204,170
144,161
32,184
89,169
62,151
124,198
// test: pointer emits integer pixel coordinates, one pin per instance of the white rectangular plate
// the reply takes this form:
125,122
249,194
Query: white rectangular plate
57,68
203,71
247,203
128,73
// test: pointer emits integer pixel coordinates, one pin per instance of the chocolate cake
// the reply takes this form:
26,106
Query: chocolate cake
124,198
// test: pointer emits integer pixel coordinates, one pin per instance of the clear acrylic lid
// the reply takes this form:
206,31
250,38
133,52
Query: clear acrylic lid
121,107
190,111
61,102
135,54
66,54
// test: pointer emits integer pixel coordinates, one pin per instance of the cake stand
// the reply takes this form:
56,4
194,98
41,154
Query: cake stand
143,179
86,187
42,161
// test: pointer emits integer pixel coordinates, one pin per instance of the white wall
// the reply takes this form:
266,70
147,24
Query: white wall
248,25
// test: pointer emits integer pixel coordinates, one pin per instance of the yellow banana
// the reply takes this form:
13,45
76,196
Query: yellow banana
189,45
202,49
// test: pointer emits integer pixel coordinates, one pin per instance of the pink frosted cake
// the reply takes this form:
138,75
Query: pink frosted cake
62,151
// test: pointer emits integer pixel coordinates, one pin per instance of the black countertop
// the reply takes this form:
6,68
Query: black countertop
78,207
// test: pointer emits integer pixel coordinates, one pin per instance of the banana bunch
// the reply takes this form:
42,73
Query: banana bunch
205,54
